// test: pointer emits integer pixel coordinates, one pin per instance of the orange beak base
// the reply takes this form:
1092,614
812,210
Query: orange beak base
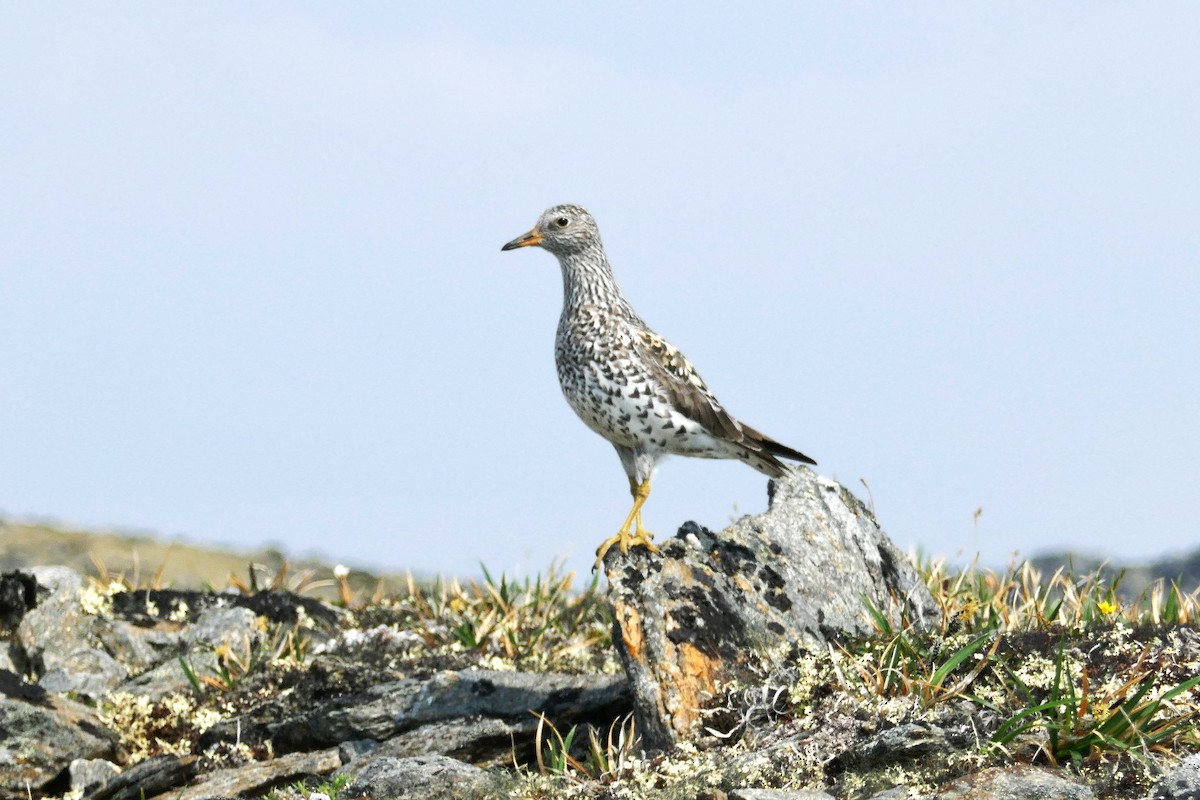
525,240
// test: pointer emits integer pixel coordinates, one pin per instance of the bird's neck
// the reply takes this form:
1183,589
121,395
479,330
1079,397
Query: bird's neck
588,281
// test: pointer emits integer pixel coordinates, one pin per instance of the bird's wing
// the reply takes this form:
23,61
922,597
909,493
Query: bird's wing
692,398
684,386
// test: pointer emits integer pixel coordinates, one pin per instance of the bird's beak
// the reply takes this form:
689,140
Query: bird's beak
524,240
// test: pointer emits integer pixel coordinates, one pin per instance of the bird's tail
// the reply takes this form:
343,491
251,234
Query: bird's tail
763,453
783,451
770,451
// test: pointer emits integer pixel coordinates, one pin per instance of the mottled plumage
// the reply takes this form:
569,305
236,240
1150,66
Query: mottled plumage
626,382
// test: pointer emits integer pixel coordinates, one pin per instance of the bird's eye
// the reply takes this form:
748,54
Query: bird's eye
562,222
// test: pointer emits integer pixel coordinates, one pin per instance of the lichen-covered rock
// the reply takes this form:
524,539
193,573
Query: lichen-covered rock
152,629
713,605
354,749
1015,783
86,671
900,793
215,627
421,778
258,777
778,794
403,716
513,695
88,775
86,639
376,713
482,741
1180,782
326,715
40,737
148,778
61,639
904,742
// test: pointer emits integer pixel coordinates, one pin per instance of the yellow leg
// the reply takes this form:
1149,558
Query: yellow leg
636,513
640,535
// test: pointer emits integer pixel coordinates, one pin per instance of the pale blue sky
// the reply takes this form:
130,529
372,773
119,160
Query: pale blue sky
252,288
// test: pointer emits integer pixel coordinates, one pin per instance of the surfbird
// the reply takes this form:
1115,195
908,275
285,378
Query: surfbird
629,384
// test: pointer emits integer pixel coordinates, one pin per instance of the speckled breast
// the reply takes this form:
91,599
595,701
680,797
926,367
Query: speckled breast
612,393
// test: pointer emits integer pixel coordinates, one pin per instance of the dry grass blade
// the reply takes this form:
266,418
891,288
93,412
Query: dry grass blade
538,622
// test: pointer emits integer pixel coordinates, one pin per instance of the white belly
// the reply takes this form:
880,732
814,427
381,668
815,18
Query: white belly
632,413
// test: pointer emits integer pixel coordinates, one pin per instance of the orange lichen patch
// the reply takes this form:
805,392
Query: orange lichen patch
743,584
685,676
697,683
631,630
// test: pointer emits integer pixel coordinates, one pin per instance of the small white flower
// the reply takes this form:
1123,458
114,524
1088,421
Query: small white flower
180,614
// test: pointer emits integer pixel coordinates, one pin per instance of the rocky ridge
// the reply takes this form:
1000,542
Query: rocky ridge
733,667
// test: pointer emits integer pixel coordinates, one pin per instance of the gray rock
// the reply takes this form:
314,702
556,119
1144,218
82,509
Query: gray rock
421,778
388,709
54,579
482,741
60,641
86,671
1014,783
512,695
169,676
72,650
710,605
149,778
138,647
778,794
38,741
903,742
899,793
356,749
378,713
217,626
88,775
223,626
1181,782
258,777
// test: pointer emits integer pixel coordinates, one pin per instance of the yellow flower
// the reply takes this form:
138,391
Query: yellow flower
1106,607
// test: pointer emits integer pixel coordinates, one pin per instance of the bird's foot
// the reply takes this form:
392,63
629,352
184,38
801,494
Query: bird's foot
625,540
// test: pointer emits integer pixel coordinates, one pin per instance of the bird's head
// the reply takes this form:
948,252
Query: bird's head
562,230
